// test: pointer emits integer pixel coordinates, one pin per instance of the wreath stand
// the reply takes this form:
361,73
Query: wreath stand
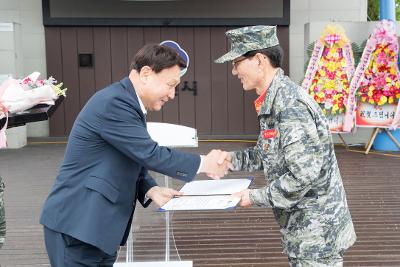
368,145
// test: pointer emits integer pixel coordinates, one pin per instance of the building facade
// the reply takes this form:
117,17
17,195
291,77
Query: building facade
90,46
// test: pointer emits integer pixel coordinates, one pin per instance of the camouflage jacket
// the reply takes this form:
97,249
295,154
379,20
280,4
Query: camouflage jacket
304,186
2,214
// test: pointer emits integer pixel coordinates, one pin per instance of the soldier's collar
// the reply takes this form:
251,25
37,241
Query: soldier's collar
271,92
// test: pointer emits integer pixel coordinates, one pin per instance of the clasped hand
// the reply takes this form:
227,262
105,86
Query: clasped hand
216,163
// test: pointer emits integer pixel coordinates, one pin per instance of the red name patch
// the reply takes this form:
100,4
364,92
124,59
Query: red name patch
271,133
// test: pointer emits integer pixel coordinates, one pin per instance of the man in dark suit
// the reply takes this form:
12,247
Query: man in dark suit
88,213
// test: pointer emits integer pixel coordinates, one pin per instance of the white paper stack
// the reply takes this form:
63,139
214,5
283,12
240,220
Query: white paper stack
208,195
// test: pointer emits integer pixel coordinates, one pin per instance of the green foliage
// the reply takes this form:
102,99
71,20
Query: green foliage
373,10
362,45
397,10
356,52
309,51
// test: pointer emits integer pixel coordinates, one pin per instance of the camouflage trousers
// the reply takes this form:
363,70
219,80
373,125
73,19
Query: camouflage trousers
334,261
2,214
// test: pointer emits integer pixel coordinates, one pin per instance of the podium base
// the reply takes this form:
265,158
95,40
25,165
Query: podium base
155,264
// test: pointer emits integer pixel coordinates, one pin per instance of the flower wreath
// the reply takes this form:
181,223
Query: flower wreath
329,71
377,79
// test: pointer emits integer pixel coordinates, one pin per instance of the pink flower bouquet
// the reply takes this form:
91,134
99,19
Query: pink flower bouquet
19,95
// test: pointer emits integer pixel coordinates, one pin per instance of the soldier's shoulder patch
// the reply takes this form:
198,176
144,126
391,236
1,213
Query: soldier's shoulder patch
270,133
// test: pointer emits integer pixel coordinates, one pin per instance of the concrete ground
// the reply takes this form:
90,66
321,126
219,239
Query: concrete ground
28,174
244,237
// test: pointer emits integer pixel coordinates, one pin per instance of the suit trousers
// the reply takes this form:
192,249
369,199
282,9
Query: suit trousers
65,251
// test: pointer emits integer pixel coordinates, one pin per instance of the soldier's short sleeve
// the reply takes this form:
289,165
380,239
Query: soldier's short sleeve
302,158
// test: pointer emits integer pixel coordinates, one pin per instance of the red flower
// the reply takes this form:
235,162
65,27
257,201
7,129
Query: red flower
26,80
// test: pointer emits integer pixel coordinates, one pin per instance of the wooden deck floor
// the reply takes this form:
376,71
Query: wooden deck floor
242,237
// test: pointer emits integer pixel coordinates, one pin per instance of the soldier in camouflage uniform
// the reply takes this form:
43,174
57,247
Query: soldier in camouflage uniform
2,214
295,151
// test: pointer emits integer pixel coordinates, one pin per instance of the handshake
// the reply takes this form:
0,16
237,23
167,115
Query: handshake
216,163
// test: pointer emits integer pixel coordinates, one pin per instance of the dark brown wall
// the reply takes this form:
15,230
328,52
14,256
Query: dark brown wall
221,108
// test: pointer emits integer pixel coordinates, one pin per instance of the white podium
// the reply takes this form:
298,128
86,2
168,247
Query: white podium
171,135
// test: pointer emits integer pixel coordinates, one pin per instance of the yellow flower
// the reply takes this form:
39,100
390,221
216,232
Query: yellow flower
382,100
59,91
390,100
330,84
331,66
370,93
332,52
334,29
371,101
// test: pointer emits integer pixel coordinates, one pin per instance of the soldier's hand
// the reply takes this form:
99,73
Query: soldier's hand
244,196
161,195
225,158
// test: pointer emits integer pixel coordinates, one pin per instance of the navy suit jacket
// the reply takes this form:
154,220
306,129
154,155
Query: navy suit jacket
105,168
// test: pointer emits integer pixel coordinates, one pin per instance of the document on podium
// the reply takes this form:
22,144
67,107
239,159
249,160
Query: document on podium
208,195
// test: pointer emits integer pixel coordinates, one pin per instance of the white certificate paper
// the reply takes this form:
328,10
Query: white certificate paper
201,203
208,195
215,187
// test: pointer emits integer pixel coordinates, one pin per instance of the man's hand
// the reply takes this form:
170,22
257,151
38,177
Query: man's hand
244,196
225,157
214,164
161,195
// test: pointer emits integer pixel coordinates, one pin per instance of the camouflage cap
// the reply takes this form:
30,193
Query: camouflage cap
248,39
